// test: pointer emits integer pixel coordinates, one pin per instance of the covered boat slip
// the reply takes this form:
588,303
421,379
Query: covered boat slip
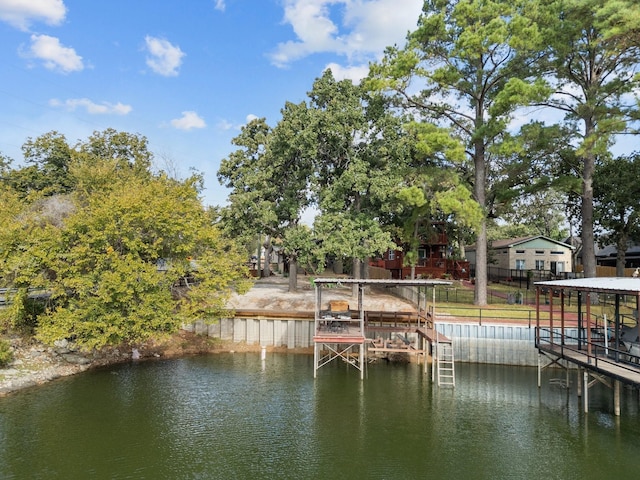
340,332
605,346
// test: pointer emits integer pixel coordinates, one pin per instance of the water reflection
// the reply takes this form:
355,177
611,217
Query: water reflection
242,416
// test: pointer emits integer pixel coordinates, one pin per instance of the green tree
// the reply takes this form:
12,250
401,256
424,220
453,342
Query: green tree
121,261
301,247
46,171
617,204
356,145
592,61
471,59
268,178
543,213
433,190
128,151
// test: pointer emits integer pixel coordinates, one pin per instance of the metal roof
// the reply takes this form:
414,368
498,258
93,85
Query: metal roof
398,283
622,285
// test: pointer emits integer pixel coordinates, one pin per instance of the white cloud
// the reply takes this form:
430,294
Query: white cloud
353,72
103,108
21,13
165,58
188,121
220,5
54,55
224,125
365,29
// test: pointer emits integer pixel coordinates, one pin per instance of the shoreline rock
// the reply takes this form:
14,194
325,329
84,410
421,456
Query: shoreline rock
36,364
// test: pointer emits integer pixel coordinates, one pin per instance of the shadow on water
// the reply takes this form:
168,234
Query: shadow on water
236,417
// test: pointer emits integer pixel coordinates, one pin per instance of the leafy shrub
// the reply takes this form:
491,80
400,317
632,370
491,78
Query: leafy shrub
6,354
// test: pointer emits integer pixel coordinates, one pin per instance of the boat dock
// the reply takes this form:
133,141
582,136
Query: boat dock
605,350
341,333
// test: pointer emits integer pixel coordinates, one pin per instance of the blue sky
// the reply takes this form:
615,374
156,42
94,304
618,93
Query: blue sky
187,74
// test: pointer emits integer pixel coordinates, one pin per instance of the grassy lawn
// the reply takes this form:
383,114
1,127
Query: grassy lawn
496,312
458,301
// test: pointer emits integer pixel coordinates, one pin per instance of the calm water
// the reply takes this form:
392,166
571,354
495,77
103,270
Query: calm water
235,417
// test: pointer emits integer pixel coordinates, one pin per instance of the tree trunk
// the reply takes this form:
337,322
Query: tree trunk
293,274
586,209
621,256
416,242
480,179
268,248
480,297
338,267
258,260
357,275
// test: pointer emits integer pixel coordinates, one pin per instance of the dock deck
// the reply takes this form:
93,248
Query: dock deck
613,363
600,363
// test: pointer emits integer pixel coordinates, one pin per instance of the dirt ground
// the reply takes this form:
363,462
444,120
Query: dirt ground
273,294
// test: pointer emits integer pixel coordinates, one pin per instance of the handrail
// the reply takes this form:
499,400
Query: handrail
579,345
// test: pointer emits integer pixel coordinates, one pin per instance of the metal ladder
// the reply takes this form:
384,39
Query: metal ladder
446,367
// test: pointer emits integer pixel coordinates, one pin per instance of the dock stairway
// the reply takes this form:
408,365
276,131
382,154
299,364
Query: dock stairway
445,365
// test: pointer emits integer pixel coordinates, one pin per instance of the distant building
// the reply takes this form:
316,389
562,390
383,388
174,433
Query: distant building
528,253
606,256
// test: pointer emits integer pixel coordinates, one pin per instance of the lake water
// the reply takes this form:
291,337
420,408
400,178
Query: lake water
233,416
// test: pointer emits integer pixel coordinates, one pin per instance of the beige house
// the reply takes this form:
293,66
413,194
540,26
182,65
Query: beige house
528,253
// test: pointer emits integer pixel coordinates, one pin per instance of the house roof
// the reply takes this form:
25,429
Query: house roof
612,251
512,242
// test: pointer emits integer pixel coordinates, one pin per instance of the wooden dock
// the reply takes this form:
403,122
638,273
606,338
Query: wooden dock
600,363
612,364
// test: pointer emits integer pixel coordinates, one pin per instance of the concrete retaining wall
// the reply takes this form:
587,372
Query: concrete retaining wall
493,343
277,332
473,343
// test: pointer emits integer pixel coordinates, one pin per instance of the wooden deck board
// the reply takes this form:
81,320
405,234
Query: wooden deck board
625,372
433,335
337,338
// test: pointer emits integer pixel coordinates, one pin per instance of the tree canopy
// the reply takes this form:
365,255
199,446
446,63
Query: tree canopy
592,65
616,193
473,61
125,256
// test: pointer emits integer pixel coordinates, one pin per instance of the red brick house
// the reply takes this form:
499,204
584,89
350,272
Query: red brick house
433,261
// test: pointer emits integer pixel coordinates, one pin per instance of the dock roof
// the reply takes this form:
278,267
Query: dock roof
620,285
373,282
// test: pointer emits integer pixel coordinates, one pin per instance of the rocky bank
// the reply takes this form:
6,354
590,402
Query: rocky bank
35,364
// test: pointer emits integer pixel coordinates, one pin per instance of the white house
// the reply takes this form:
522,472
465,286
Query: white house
528,253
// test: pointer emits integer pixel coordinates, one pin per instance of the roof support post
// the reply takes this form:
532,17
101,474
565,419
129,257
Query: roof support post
550,315
588,327
562,334
537,316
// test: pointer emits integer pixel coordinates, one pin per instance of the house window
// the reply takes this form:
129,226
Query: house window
422,253
391,255
519,251
556,252
519,264
539,264
539,252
